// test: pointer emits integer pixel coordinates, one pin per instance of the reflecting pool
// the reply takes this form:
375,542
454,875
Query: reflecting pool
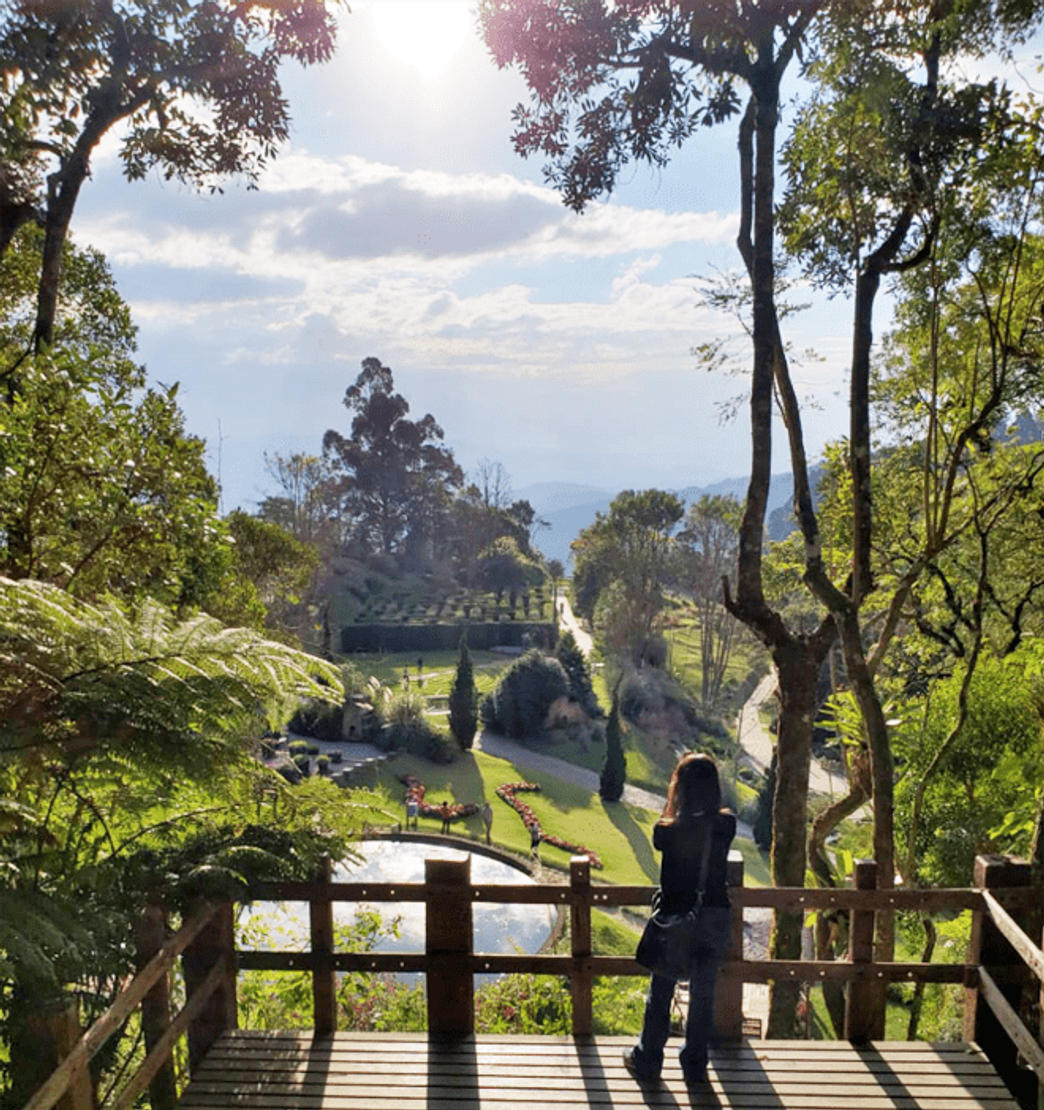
497,927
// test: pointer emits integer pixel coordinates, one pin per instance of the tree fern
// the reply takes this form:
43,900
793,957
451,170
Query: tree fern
80,676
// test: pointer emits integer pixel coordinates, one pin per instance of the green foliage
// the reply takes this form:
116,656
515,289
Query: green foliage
519,705
520,1004
503,568
991,772
620,567
103,490
614,769
365,1002
67,87
463,700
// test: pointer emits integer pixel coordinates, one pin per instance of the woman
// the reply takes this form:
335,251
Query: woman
692,813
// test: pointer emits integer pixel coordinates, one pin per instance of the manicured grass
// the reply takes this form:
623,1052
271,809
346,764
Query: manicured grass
685,640
438,671
619,833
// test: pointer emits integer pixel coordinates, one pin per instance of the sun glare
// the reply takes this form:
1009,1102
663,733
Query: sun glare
425,34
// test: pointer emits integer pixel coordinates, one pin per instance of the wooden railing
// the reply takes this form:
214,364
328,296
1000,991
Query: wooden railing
994,975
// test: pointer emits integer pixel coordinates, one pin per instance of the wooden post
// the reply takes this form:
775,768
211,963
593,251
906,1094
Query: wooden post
989,949
581,981
150,933
448,935
864,1016
215,943
324,978
728,998
53,1029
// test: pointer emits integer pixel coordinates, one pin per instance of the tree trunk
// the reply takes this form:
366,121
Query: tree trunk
797,663
831,927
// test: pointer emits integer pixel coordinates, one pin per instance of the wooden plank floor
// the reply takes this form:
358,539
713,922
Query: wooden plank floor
402,1071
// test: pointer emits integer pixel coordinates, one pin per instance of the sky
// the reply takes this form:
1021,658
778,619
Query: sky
399,223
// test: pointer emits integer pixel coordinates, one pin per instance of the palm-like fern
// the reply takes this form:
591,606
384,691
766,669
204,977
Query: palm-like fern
80,676
113,724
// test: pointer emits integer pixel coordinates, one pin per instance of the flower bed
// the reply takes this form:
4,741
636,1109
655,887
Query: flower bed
415,793
508,793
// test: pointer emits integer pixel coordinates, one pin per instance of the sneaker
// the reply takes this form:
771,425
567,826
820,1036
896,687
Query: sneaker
634,1066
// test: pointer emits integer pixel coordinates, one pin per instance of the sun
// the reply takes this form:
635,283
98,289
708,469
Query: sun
425,34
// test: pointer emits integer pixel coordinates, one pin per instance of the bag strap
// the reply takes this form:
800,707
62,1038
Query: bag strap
701,884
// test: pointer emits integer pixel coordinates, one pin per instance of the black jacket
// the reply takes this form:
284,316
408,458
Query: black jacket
681,844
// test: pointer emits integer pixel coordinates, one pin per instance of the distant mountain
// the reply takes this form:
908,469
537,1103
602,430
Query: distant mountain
570,508
552,497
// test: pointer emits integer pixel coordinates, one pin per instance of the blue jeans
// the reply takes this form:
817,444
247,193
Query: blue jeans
648,1054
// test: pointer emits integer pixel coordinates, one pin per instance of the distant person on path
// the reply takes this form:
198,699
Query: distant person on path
487,817
534,839
444,812
693,812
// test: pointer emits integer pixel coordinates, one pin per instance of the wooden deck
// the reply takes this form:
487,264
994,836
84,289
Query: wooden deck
389,1071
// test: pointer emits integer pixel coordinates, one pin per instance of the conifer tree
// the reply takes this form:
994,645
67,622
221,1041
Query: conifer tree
576,667
463,702
614,769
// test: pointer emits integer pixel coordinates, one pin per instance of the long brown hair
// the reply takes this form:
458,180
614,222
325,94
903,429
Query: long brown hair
694,788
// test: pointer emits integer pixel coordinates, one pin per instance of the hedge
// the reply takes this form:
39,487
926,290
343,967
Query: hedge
441,637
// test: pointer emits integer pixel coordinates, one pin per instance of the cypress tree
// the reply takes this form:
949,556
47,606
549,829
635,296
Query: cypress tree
763,821
463,710
614,768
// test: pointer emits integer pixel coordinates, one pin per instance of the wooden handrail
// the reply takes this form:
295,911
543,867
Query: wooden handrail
128,1000
1031,955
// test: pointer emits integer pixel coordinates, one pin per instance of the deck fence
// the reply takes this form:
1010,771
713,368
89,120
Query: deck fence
1003,966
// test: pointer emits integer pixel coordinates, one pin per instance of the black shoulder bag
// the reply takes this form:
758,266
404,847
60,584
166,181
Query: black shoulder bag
669,941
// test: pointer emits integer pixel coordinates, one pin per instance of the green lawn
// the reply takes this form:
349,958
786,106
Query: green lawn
438,671
621,834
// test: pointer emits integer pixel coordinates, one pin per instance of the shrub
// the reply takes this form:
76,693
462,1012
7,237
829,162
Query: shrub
298,747
323,765
321,720
520,703
336,756
313,749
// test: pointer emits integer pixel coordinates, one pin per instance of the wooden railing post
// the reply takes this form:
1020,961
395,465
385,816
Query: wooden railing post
581,981
448,935
53,1030
215,943
728,998
324,977
864,1007
150,934
990,950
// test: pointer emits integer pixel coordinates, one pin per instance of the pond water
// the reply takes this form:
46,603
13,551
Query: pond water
497,927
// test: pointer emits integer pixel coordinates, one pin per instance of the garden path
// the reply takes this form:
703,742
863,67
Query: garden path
757,742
